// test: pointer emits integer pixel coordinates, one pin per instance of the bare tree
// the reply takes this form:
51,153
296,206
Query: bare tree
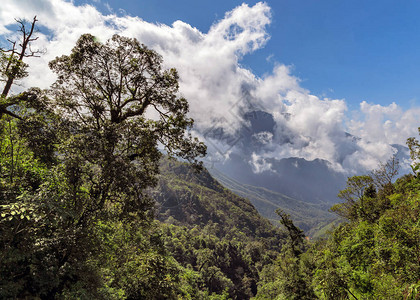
385,174
12,65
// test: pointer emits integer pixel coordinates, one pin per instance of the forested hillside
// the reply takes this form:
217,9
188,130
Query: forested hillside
78,183
188,197
91,208
314,219
374,255
213,231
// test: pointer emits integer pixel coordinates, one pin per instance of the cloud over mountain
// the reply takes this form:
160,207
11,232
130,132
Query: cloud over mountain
220,90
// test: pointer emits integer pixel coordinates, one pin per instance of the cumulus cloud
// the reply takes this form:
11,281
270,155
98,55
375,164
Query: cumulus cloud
220,90
385,123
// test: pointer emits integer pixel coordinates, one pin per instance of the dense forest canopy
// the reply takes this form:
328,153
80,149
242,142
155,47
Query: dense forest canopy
82,153
87,198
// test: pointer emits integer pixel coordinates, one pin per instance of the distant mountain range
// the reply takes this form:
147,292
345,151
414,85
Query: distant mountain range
305,189
308,181
314,219
187,198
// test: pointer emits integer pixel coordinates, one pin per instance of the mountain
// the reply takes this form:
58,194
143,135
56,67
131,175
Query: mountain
308,181
190,198
185,197
218,239
312,218
247,157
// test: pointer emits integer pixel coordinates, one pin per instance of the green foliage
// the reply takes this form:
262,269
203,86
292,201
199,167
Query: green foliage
287,277
11,66
135,264
414,146
213,232
38,233
354,195
296,236
76,166
187,197
69,165
79,171
108,87
375,255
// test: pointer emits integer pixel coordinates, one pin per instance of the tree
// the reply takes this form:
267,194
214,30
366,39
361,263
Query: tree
103,152
374,256
366,196
296,235
13,67
385,174
414,146
106,93
353,194
118,82
288,278
110,149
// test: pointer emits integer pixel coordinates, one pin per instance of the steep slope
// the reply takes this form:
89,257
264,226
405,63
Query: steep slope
185,197
218,239
308,181
309,217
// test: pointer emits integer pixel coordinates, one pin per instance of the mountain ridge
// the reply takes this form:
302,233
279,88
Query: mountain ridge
309,217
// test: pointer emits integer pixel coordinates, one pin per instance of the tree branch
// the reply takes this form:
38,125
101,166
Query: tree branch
26,39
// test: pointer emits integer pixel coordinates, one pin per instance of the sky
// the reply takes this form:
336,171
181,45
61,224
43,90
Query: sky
321,68
357,50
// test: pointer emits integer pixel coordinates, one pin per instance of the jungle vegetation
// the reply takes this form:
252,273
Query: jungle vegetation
91,208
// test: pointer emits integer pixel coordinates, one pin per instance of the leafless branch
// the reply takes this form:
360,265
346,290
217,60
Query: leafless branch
14,65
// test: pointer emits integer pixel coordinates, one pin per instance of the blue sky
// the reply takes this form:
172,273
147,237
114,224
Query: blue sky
357,50
321,68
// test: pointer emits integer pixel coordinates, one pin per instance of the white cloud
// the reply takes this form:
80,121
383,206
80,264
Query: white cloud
385,123
219,89
259,164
